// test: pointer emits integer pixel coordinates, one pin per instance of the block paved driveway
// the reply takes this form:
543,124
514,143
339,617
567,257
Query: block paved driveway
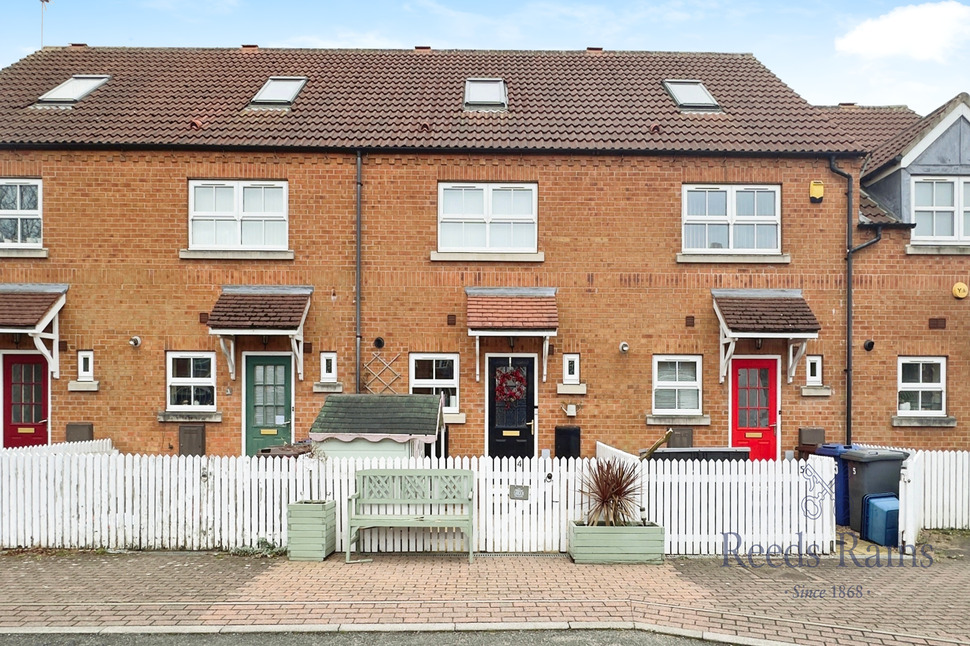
689,596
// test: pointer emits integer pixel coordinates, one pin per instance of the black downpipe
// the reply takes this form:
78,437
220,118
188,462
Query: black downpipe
357,283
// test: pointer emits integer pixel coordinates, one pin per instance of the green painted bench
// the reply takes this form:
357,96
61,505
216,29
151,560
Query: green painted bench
412,498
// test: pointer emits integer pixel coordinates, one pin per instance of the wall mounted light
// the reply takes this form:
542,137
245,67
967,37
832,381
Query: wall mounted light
758,343
624,347
134,341
16,339
868,345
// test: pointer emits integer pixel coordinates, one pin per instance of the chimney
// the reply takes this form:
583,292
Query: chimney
423,49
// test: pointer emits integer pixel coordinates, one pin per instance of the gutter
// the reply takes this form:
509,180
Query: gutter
357,279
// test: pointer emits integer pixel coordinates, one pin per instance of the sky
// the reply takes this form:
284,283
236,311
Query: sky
829,51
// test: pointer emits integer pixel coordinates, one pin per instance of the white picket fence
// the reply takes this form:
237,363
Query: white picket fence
88,446
205,503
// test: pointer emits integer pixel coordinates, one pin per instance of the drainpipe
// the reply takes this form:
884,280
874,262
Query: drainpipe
357,283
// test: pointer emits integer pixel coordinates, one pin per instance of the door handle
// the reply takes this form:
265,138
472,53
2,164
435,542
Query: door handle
531,424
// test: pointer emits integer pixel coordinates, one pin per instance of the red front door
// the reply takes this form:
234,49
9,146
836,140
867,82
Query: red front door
754,398
24,400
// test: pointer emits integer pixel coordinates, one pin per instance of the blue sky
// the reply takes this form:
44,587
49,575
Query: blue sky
874,53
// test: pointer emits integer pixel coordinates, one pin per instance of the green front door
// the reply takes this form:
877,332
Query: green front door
269,402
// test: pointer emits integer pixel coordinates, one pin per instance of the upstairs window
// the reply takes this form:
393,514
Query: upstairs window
237,215
20,213
74,89
278,92
485,94
691,95
732,219
941,210
487,218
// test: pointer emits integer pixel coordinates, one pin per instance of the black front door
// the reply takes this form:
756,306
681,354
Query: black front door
511,406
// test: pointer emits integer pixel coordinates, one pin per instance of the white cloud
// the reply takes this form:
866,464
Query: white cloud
924,32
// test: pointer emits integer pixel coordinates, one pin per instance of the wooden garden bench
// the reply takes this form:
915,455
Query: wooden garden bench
412,498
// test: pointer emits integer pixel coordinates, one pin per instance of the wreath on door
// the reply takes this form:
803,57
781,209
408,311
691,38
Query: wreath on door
510,385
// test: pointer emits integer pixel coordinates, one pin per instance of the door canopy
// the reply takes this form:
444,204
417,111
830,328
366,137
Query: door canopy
33,309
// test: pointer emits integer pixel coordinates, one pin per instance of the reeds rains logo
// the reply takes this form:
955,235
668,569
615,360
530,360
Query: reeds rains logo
758,555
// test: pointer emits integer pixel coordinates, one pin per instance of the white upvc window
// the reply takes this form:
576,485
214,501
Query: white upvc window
570,368
813,370
328,367
490,218
941,210
728,219
191,381
677,385
238,215
85,365
922,386
435,374
20,213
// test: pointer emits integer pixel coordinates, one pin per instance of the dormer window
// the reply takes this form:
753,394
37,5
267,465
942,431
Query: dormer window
691,95
279,92
73,90
485,94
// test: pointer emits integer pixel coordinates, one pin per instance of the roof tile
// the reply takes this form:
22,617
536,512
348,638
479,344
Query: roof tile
769,315
258,311
512,312
25,309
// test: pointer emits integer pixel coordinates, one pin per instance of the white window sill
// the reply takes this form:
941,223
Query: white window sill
678,420
328,387
23,253
454,418
937,250
927,421
189,416
235,254
461,256
816,391
83,386
763,259
570,389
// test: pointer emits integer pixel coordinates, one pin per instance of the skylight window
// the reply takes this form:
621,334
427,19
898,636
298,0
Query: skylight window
74,89
485,94
279,91
691,95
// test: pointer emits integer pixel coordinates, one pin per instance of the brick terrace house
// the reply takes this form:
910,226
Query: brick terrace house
214,239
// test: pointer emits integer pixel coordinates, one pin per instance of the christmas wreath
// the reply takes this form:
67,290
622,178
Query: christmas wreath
510,385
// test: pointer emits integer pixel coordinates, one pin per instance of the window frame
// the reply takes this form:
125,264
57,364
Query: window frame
567,378
657,384
486,104
88,374
673,85
328,377
22,214
170,380
57,95
262,98
237,215
960,209
488,218
811,380
414,382
921,387
731,219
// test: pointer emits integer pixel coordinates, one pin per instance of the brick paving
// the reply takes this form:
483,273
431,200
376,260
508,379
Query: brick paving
698,597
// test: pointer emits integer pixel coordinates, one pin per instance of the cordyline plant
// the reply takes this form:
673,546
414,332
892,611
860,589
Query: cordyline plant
613,488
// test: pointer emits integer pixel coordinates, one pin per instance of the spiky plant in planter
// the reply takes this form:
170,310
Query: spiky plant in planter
613,490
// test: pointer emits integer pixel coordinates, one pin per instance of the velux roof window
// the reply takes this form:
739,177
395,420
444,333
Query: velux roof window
691,95
279,92
485,94
73,89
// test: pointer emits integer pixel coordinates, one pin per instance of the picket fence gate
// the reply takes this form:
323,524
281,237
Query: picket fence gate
152,502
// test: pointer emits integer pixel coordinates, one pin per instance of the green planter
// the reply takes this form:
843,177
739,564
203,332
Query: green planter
616,544
311,527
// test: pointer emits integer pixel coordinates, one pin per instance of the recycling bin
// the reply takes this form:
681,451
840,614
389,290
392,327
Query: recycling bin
870,471
841,478
880,519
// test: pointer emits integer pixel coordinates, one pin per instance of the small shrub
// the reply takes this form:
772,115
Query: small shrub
263,549
613,488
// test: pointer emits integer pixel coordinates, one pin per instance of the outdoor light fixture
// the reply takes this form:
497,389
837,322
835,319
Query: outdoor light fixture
134,341
624,347
868,345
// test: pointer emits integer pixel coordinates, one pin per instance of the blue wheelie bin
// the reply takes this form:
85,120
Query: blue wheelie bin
841,478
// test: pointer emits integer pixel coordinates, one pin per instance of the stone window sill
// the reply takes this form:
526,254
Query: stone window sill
570,389
454,418
816,391
83,386
24,253
188,416
328,387
724,259
438,256
232,254
926,422
937,250
678,420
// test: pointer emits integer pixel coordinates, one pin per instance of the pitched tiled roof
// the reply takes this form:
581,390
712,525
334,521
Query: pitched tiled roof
894,148
343,415
259,309
402,99
768,311
870,126
24,306
512,309
870,212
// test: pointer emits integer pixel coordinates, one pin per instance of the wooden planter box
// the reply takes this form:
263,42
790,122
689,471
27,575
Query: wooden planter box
311,527
616,544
